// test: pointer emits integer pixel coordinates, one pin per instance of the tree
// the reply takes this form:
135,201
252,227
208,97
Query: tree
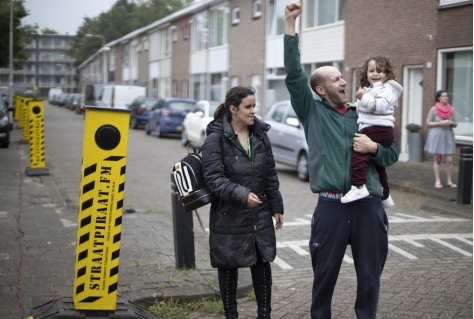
49,31
121,19
21,34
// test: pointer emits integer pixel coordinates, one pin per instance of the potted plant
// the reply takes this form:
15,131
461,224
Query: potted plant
415,148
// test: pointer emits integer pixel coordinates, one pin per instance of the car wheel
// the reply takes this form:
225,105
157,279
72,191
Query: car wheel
147,129
158,131
302,167
133,123
6,143
184,138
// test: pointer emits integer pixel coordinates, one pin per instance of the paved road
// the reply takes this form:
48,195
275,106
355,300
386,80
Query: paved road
428,272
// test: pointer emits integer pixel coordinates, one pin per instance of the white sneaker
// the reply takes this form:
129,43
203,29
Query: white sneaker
355,194
388,202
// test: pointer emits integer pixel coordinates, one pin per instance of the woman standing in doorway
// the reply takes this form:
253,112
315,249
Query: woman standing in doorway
440,141
239,169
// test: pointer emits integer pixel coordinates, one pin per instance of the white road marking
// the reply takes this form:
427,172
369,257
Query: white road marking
3,214
401,251
283,264
68,223
296,245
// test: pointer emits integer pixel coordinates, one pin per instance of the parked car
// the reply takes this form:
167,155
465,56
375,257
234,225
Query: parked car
195,122
61,99
167,116
71,101
52,92
92,92
5,124
120,96
287,138
139,110
80,105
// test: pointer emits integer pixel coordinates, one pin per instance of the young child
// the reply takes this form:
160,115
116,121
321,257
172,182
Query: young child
376,101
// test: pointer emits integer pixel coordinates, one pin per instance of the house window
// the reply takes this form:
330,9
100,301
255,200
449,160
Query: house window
257,8
174,33
199,86
219,18
216,86
174,88
321,12
455,76
200,31
235,15
166,43
185,89
234,81
186,32
125,55
277,17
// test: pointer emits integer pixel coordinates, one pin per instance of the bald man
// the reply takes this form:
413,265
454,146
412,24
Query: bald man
330,126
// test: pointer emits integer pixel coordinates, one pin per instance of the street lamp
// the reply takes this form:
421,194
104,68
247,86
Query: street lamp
103,49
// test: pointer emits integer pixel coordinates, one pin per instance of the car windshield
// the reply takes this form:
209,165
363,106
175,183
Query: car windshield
180,106
212,108
149,103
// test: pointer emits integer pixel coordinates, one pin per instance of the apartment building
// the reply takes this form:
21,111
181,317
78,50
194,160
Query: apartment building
201,51
48,66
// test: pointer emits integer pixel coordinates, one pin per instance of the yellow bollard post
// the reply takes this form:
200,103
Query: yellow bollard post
25,113
35,132
16,98
99,224
100,208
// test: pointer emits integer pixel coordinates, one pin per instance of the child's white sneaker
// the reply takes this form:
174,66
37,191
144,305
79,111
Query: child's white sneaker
355,194
388,202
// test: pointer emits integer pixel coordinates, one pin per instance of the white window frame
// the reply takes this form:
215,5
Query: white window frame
256,9
217,41
312,9
166,43
440,85
186,32
235,15
200,31
444,3
174,33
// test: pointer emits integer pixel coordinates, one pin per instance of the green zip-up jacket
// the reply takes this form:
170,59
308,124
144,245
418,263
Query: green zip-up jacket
328,133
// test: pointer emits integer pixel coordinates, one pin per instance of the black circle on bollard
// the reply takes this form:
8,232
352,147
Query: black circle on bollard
36,109
107,137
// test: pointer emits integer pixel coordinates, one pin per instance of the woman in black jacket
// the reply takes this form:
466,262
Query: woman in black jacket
239,169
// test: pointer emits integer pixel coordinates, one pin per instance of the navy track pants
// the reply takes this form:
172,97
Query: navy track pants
362,224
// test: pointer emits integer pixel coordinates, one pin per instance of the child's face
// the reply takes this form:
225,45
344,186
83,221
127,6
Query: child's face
373,75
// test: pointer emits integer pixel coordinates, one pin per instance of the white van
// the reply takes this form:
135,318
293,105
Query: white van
120,96
54,91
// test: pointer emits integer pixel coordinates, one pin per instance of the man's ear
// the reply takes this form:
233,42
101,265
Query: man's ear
320,90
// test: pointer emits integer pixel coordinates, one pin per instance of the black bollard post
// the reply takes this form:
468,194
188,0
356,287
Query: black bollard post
183,231
465,176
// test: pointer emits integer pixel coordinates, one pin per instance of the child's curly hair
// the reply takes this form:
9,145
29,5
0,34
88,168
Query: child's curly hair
383,65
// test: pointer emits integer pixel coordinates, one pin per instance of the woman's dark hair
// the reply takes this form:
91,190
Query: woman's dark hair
233,97
438,94
383,65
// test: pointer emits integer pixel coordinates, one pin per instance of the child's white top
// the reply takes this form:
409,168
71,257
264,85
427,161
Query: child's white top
378,104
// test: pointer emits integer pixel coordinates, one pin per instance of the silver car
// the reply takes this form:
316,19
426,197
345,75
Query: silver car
287,138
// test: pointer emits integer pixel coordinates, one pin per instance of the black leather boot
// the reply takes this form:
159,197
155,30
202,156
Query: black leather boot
228,287
262,286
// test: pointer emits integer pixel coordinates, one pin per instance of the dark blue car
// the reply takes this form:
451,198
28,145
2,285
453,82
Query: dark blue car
167,116
139,110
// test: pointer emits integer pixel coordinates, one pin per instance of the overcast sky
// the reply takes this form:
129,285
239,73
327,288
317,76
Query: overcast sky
64,16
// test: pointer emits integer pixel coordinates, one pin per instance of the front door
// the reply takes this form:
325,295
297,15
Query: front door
412,104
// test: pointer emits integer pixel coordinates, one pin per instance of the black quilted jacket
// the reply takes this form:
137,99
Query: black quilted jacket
236,230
